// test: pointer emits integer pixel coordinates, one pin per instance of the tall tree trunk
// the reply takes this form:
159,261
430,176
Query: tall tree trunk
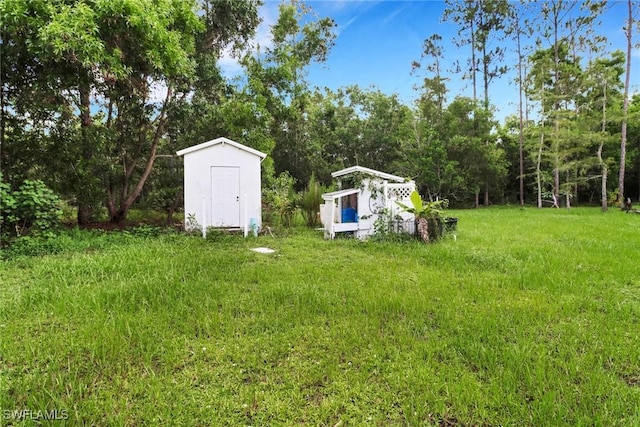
540,148
556,108
603,164
486,194
556,173
605,172
520,119
568,194
625,106
539,172
473,60
539,162
485,103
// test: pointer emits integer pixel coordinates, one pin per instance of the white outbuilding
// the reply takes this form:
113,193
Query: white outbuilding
222,186
364,196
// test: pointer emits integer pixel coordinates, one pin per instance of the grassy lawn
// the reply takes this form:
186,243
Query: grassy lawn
529,317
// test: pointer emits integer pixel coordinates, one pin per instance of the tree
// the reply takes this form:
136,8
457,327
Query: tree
484,21
118,67
425,152
383,123
475,162
276,78
601,103
518,29
625,107
633,138
562,25
463,13
353,126
512,137
555,84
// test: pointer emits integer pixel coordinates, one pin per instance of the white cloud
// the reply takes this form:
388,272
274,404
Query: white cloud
393,15
341,28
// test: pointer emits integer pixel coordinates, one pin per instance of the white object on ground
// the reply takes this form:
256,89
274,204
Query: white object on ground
263,250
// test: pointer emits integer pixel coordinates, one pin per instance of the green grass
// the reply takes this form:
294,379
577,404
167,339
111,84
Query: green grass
529,317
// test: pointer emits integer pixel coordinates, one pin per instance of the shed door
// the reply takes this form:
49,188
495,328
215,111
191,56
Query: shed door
225,196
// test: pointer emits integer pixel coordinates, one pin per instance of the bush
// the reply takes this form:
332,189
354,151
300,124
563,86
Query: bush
281,198
8,206
310,202
33,209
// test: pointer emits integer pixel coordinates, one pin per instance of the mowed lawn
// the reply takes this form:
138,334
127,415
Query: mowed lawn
528,317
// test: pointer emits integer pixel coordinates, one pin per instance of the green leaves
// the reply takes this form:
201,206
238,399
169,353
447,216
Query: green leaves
417,201
32,209
72,35
426,210
310,201
281,198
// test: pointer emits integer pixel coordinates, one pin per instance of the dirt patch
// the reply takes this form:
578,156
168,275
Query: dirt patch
632,380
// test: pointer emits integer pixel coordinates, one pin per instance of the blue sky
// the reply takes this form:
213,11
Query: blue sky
377,41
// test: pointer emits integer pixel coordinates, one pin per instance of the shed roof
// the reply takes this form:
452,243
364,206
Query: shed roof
368,171
340,193
222,140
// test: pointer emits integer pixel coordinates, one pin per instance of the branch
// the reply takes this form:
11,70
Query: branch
162,117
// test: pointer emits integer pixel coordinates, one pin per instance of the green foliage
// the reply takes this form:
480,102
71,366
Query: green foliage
149,231
613,199
28,246
429,216
310,201
282,199
33,209
191,225
390,228
164,190
427,210
278,89
222,236
8,204
96,94
110,60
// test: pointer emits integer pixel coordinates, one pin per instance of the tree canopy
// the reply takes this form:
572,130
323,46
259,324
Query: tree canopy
97,96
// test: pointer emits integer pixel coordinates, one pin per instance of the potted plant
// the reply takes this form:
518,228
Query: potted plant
429,216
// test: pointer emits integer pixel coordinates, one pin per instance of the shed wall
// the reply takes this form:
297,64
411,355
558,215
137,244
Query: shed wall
197,183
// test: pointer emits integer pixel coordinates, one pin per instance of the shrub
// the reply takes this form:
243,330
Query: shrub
33,209
281,198
310,201
8,207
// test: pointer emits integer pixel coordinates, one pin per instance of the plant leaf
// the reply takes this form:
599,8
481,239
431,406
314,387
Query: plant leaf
404,207
416,200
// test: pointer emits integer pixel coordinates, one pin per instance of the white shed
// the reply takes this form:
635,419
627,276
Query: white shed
363,196
222,186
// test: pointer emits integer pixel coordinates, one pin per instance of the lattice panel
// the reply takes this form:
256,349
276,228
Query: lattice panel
400,192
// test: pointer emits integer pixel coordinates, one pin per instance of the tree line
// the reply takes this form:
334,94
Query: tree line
97,96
